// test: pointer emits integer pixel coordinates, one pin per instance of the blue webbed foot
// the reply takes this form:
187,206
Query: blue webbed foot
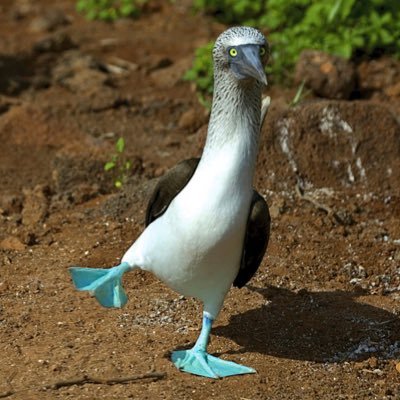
199,362
105,284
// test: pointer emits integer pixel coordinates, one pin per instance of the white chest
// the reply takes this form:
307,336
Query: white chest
196,245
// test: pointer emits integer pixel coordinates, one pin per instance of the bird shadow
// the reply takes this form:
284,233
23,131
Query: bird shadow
314,326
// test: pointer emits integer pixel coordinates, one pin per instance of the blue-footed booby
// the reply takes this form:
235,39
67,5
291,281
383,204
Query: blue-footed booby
207,228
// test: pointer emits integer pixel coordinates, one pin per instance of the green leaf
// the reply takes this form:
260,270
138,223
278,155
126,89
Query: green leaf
109,165
120,145
386,37
346,8
298,95
127,9
334,10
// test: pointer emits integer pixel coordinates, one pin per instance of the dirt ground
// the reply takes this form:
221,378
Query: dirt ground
320,320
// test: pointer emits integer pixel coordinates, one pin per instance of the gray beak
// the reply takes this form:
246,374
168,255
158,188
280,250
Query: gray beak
248,64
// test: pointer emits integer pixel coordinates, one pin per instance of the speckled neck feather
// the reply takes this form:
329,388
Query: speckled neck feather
236,107
235,114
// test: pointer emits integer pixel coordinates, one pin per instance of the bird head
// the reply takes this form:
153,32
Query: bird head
242,52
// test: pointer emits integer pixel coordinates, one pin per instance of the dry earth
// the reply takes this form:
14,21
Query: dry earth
320,320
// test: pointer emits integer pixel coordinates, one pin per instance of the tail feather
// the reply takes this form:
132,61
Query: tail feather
105,284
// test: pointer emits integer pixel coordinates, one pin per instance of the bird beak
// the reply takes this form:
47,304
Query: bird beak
249,65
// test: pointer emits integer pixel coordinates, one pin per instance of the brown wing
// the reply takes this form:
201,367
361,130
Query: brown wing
168,187
256,240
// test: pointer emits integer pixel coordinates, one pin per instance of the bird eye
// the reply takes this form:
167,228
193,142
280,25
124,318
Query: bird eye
233,52
262,51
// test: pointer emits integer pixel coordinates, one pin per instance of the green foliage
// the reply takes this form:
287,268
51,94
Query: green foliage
342,27
243,12
202,73
109,10
118,164
347,28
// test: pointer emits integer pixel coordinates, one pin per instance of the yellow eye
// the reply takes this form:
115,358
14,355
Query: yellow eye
233,52
262,51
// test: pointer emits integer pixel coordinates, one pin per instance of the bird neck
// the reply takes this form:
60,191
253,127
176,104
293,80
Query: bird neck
234,126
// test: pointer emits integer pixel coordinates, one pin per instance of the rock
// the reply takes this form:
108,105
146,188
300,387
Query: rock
35,206
11,204
55,43
274,211
333,144
22,9
52,19
192,119
83,74
123,64
29,238
378,75
40,82
160,63
84,192
79,178
277,208
373,363
171,75
6,261
326,75
393,90
12,243
87,80
7,102
130,201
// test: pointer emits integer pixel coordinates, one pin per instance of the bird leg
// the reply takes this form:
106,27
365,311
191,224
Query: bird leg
204,337
198,362
104,284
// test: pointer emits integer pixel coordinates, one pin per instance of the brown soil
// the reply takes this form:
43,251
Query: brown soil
320,320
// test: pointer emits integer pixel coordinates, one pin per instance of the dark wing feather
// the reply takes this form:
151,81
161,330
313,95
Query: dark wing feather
256,240
168,187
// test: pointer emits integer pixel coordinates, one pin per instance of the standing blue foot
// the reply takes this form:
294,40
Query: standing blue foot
105,284
198,362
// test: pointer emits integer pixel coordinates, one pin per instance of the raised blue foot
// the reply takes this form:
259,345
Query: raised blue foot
199,362
104,284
